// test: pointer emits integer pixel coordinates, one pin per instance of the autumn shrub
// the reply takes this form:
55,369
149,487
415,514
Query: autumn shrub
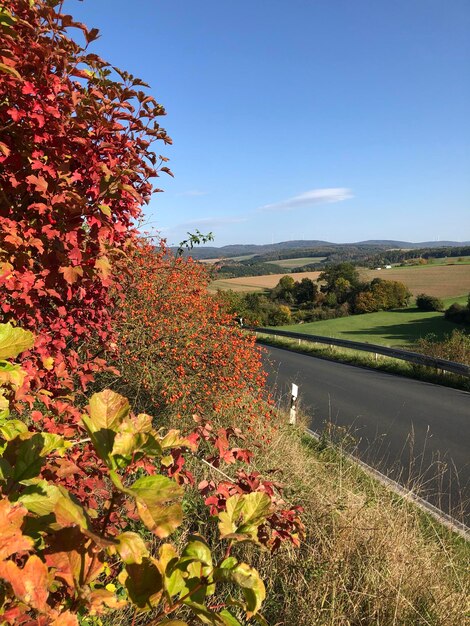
61,560
76,159
83,487
453,347
458,313
179,347
425,302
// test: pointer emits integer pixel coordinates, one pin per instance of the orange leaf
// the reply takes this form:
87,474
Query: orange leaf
30,583
39,182
11,538
71,273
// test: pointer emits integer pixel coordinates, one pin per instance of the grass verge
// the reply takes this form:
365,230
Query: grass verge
364,359
369,556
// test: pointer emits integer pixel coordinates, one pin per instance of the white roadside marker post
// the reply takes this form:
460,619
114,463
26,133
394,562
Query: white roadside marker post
293,404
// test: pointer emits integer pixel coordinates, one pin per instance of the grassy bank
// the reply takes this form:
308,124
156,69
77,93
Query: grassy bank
369,556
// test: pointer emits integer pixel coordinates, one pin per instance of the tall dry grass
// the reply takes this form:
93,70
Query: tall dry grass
369,556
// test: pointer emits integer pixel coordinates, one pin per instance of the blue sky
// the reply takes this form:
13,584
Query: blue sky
340,120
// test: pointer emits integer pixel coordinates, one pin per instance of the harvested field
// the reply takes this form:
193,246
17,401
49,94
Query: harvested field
442,281
260,283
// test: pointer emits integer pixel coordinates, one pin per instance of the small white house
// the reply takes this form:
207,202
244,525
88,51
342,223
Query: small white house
388,267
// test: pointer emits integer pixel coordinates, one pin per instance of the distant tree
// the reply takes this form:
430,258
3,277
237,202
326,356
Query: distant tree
305,291
381,295
279,315
365,302
332,273
284,290
342,289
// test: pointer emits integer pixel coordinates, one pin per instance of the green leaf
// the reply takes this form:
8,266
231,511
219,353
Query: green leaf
173,439
10,429
105,209
244,514
224,571
14,340
197,550
27,452
204,614
252,586
39,497
143,582
4,406
69,512
9,70
107,410
158,503
131,548
6,470
229,619
135,435
6,17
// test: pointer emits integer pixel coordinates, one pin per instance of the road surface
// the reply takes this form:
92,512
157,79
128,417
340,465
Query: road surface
410,430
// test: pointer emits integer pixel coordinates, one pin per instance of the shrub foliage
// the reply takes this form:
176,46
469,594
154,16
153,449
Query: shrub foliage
89,493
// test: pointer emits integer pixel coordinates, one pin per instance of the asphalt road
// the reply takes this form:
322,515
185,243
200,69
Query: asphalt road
412,431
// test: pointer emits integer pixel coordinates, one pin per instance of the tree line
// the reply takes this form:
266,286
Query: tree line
339,292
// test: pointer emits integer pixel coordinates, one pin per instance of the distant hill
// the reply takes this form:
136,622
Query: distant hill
235,250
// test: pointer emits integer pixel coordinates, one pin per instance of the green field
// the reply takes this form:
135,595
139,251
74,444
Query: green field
401,327
461,260
300,262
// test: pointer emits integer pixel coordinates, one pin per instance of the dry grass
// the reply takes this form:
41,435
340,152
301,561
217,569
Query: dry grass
442,281
367,559
258,283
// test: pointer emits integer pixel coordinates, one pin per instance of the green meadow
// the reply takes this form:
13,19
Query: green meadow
400,327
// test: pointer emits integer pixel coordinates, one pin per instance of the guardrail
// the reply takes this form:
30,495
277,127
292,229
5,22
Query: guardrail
412,357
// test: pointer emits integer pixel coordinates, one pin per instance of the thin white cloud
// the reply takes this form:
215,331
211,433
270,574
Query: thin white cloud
193,193
310,198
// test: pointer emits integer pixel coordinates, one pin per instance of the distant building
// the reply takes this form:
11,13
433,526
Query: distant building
388,267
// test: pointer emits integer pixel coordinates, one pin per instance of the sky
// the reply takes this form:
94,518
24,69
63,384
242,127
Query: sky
337,120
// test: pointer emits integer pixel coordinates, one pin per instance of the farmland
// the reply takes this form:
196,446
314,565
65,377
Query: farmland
299,262
442,281
258,283
401,327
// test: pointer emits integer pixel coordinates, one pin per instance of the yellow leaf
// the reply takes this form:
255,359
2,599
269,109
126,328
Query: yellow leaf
104,266
71,273
9,70
105,209
14,340
48,362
